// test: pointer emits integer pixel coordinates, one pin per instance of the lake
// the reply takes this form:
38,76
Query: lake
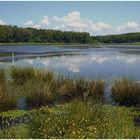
106,63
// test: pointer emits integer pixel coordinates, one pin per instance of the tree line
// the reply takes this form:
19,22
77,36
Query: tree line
121,38
14,34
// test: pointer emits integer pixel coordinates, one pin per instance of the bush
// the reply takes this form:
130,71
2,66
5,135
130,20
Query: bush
126,92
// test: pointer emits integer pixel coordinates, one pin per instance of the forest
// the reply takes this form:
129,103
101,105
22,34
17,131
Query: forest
14,34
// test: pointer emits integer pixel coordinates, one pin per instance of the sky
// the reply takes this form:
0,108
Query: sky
97,18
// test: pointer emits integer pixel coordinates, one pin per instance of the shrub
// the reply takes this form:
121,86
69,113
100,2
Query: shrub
126,92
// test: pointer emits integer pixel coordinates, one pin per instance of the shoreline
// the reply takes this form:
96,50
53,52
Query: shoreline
71,44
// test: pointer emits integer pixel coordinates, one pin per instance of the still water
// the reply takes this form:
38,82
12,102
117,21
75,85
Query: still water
107,62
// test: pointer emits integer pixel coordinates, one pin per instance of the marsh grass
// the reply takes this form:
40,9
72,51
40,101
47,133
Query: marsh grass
80,88
126,92
44,87
22,75
38,93
7,100
2,76
84,120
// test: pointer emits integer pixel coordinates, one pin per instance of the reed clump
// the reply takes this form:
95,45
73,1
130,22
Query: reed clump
22,75
7,100
38,93
2,76
83,89
126,92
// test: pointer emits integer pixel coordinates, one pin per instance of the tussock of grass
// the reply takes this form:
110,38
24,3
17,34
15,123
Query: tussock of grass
126,92
7,101
22,75
2,76
81,88
38,93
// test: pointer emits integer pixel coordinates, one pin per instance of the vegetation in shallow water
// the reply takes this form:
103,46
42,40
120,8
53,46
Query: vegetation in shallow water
126,92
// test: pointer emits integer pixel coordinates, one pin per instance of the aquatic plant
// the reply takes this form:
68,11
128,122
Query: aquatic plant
80,88
126,92
2,76
38,93
7,100
22,75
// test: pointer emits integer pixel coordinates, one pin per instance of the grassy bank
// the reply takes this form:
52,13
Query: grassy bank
76,119
63,107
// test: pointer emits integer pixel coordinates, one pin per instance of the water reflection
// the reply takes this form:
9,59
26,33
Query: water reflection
106,63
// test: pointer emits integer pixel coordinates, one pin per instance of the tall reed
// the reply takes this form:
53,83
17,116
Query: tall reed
7,100
81,88
126,92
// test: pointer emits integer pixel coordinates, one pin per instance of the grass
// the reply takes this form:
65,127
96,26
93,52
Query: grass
82,114
15,132
2,76
22,75
81,88
79,120
7,100
126,92
38,93
76,120
44,87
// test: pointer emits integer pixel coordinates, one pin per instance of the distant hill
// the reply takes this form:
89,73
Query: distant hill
14,34
121,38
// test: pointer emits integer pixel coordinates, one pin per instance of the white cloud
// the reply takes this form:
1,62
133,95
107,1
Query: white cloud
2,22
131,24
120,28
30,23
126,59
42,24
73,21
45,20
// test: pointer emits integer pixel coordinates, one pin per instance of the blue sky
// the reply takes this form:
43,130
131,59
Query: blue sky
94,17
